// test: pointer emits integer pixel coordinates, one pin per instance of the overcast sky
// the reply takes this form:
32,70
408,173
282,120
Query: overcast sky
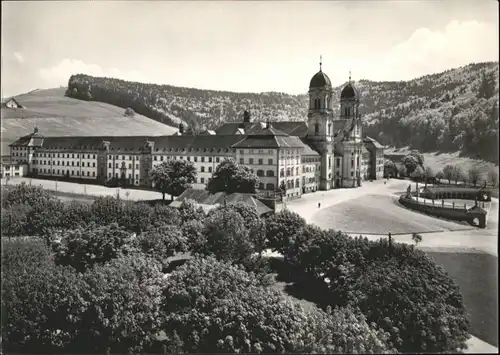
241,46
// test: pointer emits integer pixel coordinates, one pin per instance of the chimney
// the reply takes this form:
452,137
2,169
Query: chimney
181,128
246,116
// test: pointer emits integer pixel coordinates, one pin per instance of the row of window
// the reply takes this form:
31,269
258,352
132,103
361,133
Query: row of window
117,157
62,172
117,166
49,162
256,151
289,172
61,155
260,161
188,158
110,175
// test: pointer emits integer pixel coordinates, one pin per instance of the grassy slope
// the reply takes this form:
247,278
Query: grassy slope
57,115
437,161
477,276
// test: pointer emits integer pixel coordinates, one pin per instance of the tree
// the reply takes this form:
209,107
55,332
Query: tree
161,242
15,220
457,174
411,163
390,168
253,223
493,177
428,173
226,236
106,210
228,310
123,301
402,172
83,247
231,177
173,177
129,112
487,87
188,211
281,228
165,214
394,292
449,172
417,238
136,216
54,309
439,175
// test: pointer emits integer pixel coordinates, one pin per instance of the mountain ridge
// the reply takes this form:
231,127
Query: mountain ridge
454,110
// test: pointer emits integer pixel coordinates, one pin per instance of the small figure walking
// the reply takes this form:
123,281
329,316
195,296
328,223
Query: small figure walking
319,204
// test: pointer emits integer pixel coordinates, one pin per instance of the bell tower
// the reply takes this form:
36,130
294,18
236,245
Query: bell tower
319,122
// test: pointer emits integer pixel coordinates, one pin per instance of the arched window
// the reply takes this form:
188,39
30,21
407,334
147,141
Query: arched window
202,169
270,186
270,173
329,129
297,183
209,169
260,172
282,172
316,128
346,111
288,172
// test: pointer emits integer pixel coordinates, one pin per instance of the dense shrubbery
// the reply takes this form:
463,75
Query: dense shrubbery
84,247
101,285
397,287
53,309
216,307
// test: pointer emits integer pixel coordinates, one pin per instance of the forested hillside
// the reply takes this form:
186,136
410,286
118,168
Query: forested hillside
456,110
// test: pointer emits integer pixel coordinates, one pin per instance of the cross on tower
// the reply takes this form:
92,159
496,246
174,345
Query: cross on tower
349,75
320,62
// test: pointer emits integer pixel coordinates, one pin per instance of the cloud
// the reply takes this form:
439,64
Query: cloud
427,51
19,57
59,74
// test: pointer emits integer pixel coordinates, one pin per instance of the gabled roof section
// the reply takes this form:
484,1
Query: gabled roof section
264,129
11,100
308,150
195,142
292,128
230,128
33,139
203,197
207,132
375,143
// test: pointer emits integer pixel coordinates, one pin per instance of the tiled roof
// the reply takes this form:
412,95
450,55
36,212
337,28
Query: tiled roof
291,128
195,142
263,129
308,150
230,128
374,142
204,197
30,140
269,142
207,132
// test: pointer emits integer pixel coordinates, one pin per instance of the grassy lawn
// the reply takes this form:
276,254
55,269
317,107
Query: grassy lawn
477,276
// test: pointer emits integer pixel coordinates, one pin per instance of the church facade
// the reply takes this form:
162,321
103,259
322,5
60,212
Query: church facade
322,153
